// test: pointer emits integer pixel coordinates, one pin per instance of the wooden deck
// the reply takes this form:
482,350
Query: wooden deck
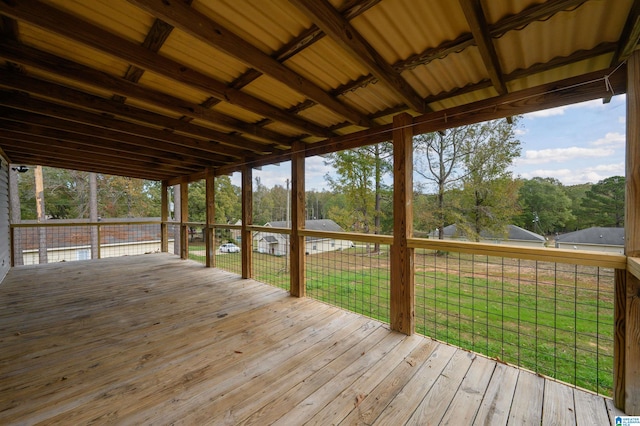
157,340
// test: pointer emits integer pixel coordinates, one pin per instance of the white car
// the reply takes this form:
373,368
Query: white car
229,248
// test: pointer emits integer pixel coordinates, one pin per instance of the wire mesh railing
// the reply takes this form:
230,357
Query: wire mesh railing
556,319
70,241
349,271
227,248
271,256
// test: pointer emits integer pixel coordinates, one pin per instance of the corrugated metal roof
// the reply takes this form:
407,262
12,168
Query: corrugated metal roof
378,58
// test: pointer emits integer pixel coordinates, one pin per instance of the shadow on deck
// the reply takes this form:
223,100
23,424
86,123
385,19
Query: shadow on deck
155,339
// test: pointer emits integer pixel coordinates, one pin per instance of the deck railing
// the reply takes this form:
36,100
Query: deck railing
34,243
548,310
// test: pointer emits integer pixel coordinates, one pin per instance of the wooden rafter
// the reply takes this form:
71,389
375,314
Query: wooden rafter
56,65
215,34
131,145
340,30
630,36
48,17
477,22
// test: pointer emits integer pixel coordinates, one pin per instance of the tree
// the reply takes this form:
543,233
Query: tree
580,215
604,203
489,194
467,157
227,201
359,176
545,206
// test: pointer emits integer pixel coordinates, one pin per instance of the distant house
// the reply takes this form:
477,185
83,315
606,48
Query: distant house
514,236
610,240
278,244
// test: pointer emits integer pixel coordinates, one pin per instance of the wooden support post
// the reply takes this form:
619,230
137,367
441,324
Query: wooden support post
402,257
164,217
209,239
632,242
297,246
93,215
247,220
184,217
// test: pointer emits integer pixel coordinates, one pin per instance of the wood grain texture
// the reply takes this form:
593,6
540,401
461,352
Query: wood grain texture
402,289
247,219
298,205
632,239
154,339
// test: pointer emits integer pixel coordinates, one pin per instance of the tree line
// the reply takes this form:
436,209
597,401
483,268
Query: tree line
461,176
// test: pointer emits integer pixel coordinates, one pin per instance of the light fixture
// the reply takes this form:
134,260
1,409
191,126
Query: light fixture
20,169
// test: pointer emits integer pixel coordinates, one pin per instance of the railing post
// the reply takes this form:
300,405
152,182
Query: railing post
632,244
247,220
210,260
402,309
297,246
164,218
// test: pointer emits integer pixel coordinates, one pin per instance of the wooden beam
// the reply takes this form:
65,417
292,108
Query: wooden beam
215,34
31,57
209,234
67,116
297,241
325,16
61,150
247,220
43,159
632,239
630,36
78,99
478,24
135,146
402,310
49,18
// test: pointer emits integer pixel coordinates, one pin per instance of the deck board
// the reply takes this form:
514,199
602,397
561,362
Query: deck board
158,340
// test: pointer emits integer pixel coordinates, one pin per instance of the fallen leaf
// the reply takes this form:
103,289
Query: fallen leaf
359,399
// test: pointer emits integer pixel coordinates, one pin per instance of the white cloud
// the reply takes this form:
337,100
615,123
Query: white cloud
547,112
611,140
622,119
576,176
559,155
592,104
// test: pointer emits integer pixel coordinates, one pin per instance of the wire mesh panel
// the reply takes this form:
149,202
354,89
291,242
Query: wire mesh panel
555,319
271,259
196,240
227,249
129,239
354,278
50,243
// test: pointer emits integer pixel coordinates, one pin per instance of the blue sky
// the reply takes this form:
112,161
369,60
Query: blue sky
575,144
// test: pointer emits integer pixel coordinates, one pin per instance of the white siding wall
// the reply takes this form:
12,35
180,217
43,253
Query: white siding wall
5,245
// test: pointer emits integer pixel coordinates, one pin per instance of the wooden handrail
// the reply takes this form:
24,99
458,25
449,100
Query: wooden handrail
367,238
101,223
574,257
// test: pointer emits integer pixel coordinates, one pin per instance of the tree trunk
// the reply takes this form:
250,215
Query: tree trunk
16,217
93,214
42,247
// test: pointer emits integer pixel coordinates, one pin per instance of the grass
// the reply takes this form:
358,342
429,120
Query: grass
554,319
